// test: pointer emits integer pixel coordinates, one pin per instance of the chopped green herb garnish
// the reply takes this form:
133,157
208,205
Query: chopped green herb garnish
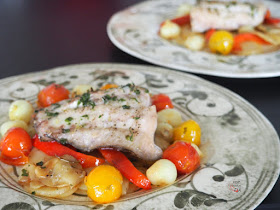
40,163
126,107
63,141
106,98
65,130
129,137
51,114
56,106
33,193
135,99
146,91
24,172
136,118
121,99
86,116
68,120
100,116
137,91
85,100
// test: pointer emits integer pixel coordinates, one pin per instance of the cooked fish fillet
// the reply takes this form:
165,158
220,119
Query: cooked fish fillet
227,15
121,117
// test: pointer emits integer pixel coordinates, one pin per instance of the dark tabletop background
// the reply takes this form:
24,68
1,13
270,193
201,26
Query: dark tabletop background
38,35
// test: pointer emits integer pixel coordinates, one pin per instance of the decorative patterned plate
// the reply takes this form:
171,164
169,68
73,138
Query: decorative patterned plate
241,147
135,31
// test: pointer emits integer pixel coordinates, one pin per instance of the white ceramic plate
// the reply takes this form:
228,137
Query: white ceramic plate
135,31
241,147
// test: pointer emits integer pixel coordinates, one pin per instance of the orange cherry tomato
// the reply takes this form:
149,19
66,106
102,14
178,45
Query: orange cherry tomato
188,131
15,147
162,101
108,86
52,94
104,184
183,155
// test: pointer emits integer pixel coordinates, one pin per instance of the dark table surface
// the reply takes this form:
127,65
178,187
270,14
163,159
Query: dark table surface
38,35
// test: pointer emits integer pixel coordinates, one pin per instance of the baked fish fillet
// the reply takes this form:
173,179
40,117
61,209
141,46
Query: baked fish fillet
227,15
121,117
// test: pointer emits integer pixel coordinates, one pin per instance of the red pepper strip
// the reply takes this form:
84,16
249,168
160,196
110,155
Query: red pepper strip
55,149
127,169
272,21
247,37
209,33
267,14
186,19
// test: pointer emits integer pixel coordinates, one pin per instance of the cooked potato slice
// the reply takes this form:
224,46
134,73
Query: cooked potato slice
54,192
162,172
170,116
21,110
13,124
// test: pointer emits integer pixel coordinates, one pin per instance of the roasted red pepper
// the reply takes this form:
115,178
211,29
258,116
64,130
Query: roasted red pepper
183,20
209,33
127,169
270,20
247,37
55,149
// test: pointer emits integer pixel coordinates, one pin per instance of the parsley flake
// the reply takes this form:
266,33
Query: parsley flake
40,163
126,107
65,130
85,100
24,172
68,120
51,114
63,141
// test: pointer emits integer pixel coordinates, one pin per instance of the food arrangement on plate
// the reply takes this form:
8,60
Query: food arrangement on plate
224,27
104,143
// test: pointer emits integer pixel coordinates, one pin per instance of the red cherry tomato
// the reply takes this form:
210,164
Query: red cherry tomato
183,155
162,101
52,94
15,147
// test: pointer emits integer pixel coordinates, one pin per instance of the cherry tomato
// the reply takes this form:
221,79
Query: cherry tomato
183,155
104,184
189,131
108,86
15,147
209,33
162,101
221,42
52,94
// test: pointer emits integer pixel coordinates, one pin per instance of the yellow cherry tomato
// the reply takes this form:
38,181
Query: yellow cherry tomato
104,184
221,42
189,132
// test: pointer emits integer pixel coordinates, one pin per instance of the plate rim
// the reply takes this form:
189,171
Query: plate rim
195,70
162,70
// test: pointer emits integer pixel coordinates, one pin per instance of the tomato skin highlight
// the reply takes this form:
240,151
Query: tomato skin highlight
52,94
183,155
162,101
15,147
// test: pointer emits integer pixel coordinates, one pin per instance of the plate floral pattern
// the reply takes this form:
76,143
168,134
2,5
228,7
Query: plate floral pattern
241,148
135,31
